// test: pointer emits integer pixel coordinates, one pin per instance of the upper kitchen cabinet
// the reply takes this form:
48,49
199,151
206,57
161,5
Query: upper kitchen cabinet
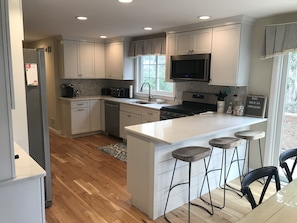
81,59
117,64
230,57
194,42
99,60
170,51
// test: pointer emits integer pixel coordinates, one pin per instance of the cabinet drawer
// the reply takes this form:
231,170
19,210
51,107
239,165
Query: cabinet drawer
152,114
130,108
79,104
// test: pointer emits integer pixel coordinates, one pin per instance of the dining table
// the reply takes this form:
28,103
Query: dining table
280,207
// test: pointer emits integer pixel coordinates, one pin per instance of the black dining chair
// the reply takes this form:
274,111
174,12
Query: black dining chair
283,162
267,172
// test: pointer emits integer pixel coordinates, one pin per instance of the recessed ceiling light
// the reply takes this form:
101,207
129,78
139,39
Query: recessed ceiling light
147,28
125,1
81,17
203,17
103,37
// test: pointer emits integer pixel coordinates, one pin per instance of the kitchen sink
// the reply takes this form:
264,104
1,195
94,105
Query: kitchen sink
142,102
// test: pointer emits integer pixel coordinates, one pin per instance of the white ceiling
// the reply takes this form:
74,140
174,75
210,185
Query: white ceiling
43,18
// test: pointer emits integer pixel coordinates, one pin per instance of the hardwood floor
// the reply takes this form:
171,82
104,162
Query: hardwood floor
90,186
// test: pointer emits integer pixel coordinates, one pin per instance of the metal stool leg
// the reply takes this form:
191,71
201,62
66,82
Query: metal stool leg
235,190
170,188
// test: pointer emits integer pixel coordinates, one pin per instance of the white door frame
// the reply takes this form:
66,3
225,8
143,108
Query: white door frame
276,110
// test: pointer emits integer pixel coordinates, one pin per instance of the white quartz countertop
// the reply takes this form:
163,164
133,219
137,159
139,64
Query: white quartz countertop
119,100
180,129
25,167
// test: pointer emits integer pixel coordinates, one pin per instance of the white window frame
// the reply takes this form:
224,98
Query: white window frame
155,94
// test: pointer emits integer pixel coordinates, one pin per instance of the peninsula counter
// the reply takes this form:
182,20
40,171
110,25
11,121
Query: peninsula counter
150,164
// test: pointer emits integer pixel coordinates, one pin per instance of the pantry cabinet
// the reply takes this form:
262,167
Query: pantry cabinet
117,64
230,58
194,42
81,59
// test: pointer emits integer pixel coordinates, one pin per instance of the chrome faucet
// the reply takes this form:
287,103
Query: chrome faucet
149,95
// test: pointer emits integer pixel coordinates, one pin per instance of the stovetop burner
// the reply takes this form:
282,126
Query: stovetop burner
190,108
193,103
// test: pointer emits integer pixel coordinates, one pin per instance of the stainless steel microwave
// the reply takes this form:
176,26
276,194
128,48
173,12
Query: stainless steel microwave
190,67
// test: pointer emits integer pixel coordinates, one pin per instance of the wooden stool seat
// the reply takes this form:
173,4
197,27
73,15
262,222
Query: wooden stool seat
225,142
250,135
191,153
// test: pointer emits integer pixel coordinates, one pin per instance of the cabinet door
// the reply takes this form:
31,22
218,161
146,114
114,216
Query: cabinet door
80,121
184,43
99,60
114,60
149,115
225,53
194,42
71,52
170,51
95,118
86,59
202,40
126,119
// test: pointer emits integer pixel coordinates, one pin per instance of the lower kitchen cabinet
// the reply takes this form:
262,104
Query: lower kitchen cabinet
129,115
80,117
133,115
150,115
95,117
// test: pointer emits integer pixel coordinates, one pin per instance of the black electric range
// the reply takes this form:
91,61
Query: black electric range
193,103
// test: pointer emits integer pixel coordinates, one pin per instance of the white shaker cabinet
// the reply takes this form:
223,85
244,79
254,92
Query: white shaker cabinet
230,58
150,115
81,116
117,64
129,115
80,121
170,51
69,51
81,59
95,118
86,60
99,60
194,42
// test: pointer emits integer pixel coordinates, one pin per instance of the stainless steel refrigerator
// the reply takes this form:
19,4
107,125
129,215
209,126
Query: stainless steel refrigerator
37,114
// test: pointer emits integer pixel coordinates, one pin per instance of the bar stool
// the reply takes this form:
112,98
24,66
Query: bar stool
250,135
224,143
189,154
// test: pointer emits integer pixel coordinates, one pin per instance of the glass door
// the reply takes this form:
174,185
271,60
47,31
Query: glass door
288,139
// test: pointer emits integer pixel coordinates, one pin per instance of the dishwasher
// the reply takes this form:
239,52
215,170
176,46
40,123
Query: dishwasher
112,118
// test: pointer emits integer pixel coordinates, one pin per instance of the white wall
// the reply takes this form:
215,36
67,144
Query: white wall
19,114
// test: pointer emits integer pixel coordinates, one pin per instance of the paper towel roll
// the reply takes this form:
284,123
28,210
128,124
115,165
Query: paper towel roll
131,91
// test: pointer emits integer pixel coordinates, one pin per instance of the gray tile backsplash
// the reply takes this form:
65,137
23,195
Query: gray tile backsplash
90,87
